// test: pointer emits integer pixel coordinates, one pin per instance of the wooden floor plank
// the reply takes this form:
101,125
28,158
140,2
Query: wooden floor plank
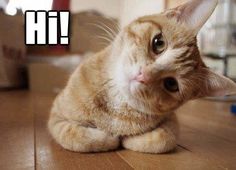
211,117
16,131
207,139
52,156
208,129
208,146
180,159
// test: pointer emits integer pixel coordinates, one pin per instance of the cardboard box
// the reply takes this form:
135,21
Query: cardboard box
12,51
44,77
86,31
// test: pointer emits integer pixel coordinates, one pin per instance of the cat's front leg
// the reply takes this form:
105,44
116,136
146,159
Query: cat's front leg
160,140
72,136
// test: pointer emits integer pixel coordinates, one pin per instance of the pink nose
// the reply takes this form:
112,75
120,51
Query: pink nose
142,78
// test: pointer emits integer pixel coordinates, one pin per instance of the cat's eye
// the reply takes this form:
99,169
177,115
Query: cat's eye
170,84
158,44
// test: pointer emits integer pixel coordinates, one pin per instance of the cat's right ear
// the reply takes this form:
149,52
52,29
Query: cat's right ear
193,14
214,84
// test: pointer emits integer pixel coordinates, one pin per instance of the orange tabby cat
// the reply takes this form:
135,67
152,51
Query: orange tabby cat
126,94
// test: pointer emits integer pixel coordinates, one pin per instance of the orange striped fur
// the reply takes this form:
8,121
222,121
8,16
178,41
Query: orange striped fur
102,105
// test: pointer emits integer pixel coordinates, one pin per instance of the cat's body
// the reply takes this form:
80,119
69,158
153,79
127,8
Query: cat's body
93,109
127,94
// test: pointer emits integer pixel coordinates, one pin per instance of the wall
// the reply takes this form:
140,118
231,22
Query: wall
132,9
126,10
108,7
174,3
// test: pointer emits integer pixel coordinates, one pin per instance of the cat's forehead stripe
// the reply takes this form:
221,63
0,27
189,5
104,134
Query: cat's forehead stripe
142,30
152,22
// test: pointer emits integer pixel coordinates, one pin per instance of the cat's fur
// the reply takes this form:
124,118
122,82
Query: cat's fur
104,105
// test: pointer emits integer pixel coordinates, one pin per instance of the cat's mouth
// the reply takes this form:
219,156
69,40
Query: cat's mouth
138,89
137,83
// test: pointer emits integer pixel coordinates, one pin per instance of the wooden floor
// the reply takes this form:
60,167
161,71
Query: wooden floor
207,139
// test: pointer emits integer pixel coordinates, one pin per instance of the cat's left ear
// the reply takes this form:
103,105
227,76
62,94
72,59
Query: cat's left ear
194,13
216,85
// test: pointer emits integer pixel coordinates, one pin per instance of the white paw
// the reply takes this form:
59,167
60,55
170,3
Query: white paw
158,141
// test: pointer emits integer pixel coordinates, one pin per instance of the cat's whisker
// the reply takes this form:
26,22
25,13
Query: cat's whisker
110,29
115,24
103,43
104,38
110,34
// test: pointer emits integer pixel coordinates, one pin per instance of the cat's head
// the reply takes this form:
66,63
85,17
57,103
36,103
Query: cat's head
157,62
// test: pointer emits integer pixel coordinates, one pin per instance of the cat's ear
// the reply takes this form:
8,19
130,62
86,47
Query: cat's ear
216,85
194,13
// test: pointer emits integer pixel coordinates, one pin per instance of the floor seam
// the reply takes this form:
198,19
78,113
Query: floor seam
183,147
124,160
208,133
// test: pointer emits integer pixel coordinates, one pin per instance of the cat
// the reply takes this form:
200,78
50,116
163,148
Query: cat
127,93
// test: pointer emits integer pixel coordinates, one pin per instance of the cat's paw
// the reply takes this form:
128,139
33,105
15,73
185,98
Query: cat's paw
77,138
89,140
157,141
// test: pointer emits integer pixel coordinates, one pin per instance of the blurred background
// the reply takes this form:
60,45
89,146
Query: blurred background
47,68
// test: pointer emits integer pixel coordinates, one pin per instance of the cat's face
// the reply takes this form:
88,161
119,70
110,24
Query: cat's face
157,59
159,65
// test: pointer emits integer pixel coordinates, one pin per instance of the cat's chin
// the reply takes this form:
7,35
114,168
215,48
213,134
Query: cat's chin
143,106
138,89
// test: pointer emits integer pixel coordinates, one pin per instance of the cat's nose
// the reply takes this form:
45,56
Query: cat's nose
142,78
